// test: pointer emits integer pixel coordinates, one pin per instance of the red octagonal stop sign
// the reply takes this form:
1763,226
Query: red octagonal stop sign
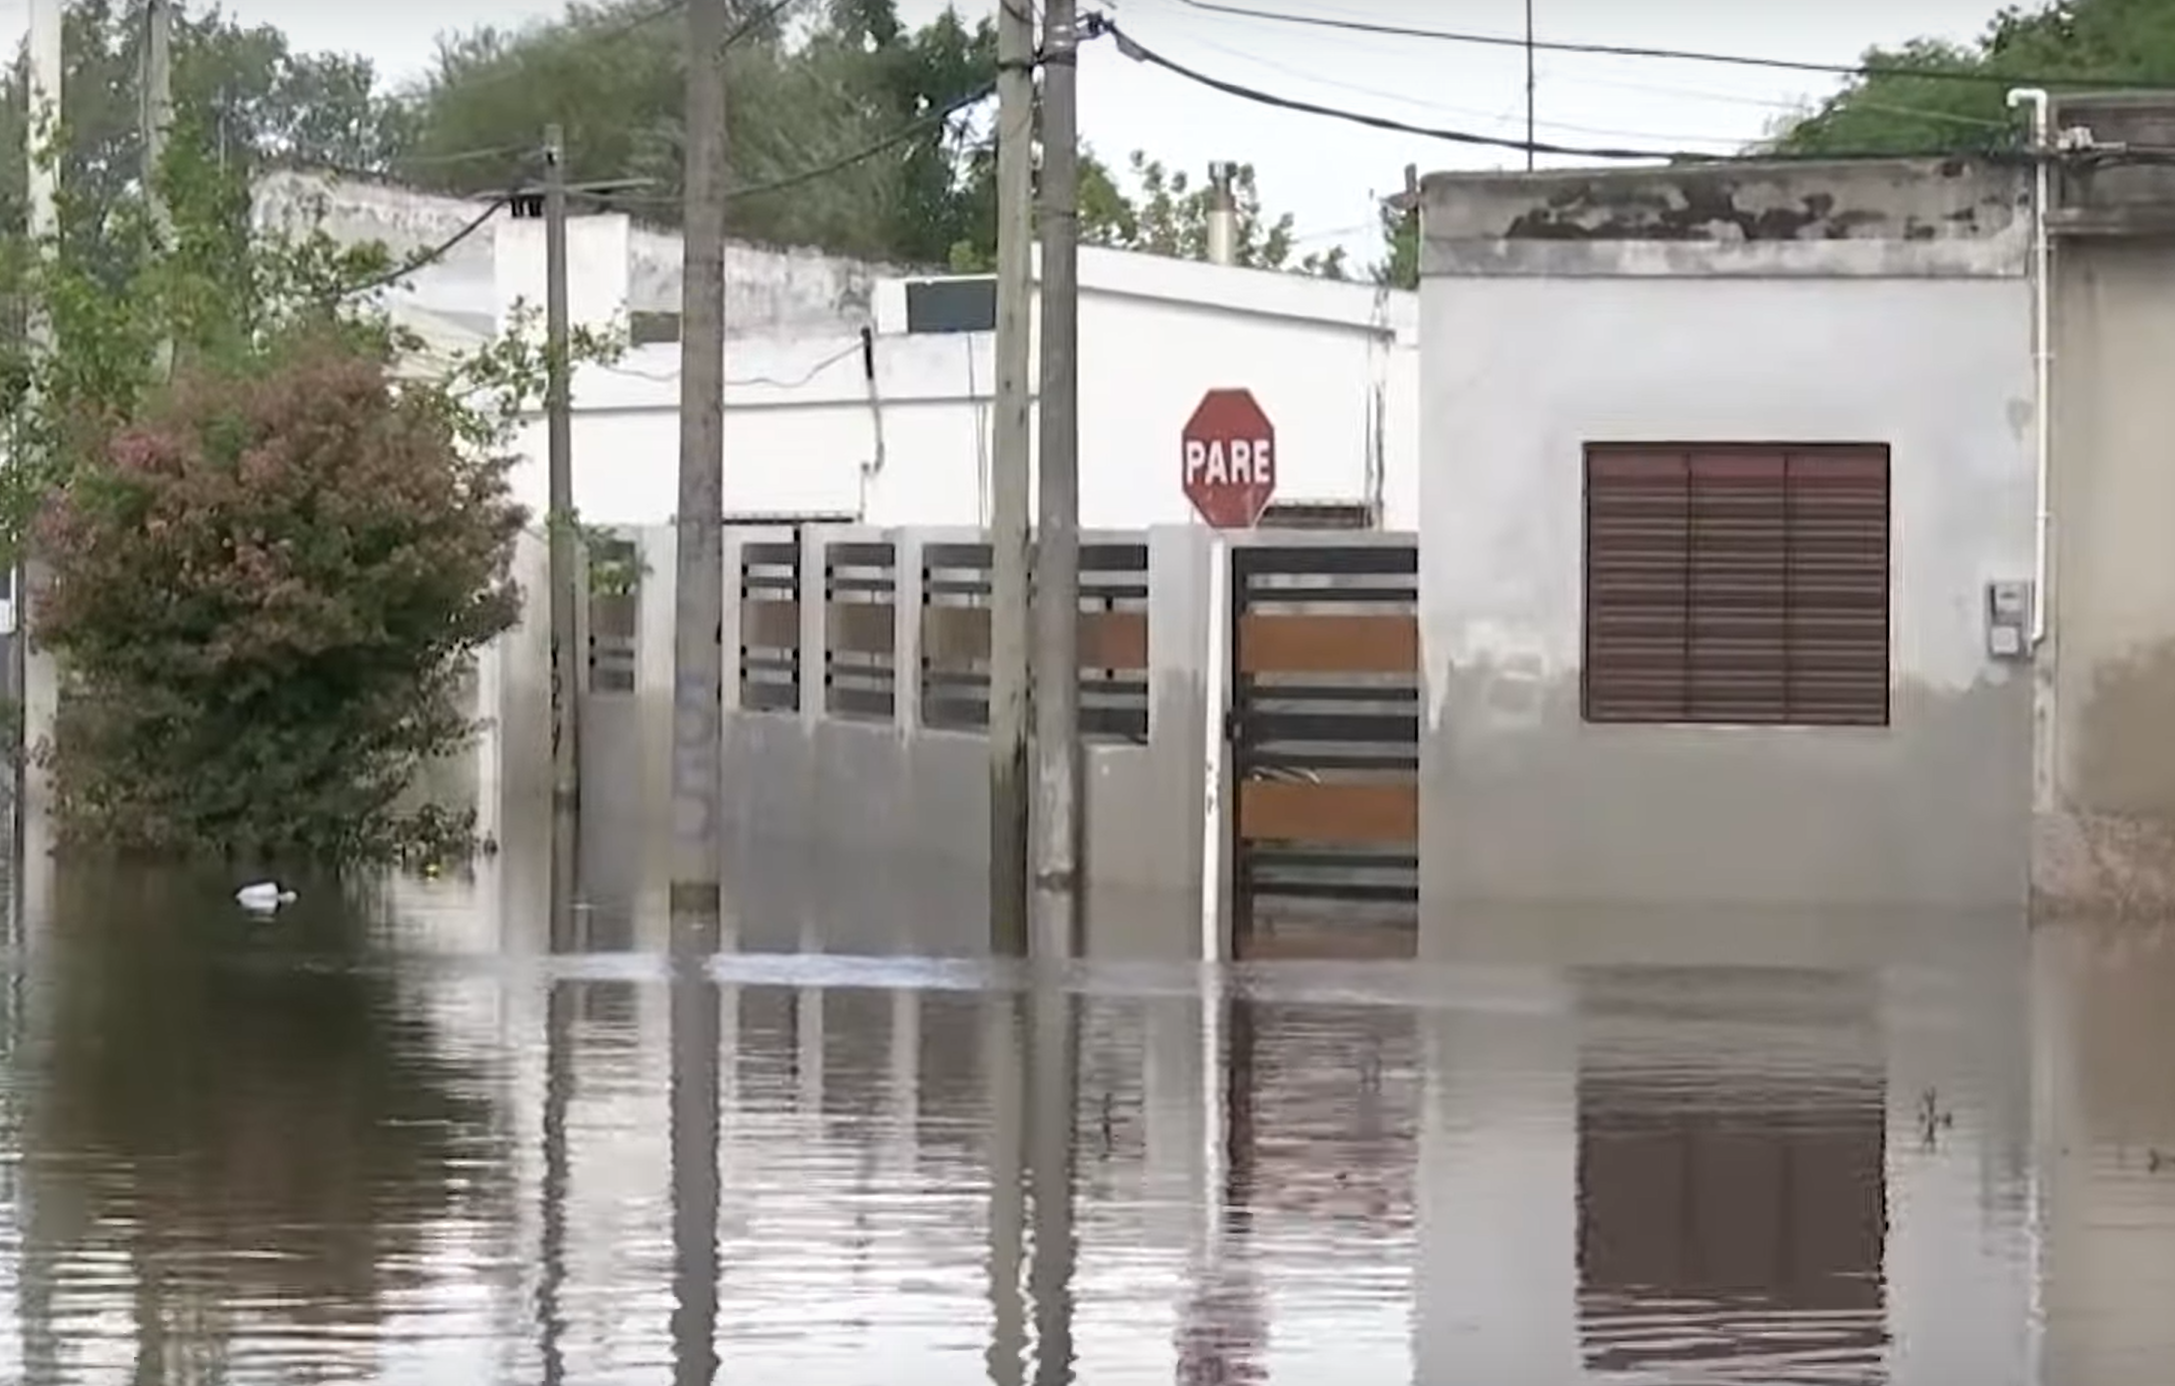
1227,453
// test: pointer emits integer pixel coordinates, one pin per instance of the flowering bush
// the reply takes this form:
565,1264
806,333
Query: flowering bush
269,556
263,590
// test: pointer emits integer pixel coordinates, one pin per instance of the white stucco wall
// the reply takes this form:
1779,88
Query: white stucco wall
770,289
1335,366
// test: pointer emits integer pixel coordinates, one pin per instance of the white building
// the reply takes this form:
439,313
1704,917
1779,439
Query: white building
894,427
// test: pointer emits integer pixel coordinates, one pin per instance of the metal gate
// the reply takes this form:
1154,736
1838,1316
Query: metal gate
1324,732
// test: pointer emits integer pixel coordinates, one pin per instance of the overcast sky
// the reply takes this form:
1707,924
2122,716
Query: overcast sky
1326,172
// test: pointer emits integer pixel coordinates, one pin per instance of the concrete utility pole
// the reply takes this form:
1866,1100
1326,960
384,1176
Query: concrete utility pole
157,119
565,577
694,1117
37,686
1223,215
698,657
1009,815
1529,86
1058,829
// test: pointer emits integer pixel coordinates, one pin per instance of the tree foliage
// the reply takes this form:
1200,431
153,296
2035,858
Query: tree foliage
250,95
262,587
857,78
1399,267
267,559
812,83
1906,109
1167,213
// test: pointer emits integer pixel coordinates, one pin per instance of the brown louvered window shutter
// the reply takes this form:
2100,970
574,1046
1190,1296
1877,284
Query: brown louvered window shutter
1736,584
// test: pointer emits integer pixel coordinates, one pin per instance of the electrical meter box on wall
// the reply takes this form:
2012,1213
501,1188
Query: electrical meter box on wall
2008,620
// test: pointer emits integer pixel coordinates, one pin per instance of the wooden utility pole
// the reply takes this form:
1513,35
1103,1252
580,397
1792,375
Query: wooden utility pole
565,577
1058,829
1008,620
157,119
698,657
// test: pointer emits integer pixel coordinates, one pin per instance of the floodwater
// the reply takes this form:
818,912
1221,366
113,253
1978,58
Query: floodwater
400,1139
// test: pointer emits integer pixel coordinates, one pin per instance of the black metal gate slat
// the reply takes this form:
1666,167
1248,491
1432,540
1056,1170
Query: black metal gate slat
1315,728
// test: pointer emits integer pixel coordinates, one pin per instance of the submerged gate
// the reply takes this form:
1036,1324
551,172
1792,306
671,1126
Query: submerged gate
1324,732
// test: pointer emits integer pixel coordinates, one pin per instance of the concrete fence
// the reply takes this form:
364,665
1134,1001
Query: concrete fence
855,701
856,697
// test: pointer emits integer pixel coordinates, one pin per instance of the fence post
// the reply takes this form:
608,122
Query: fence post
906,631
1216,805
814,596
736,543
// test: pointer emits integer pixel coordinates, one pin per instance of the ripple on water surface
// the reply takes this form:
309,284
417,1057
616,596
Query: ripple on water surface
333,1152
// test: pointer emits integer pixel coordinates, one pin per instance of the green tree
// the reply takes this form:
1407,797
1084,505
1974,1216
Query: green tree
617,85
856,79
269,567
1903,108
255,98
1399,267
1166,213
1156,211
942,191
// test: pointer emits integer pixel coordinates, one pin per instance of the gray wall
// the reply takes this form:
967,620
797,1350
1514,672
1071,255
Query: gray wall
816,792
2107,795
1806,305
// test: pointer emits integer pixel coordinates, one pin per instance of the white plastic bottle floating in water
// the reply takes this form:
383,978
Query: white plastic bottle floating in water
263,897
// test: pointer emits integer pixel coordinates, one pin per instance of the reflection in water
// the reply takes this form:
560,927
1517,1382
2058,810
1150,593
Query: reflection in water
234,1147
1734,1220
1002,1054
2106,1026
696,1040
338,1147
560,1006
1053,1106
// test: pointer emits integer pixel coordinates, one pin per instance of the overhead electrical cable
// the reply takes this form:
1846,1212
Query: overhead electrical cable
1133,48
1618,50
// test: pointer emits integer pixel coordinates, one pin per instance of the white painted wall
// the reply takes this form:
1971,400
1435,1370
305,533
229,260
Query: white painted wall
768,289
1335,366
808,430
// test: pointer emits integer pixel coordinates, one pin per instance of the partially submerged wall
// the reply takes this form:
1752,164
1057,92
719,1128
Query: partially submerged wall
2106,838
1864,303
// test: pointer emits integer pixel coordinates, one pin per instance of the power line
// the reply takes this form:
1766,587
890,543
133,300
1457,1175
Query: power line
905,134
1793,108
805,378
1614,50
629,23
425,258
460,156
604,33
1132,48
391,169
1364,89
752,22
1929,113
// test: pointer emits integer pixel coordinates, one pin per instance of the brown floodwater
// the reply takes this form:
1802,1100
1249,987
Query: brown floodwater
398,1136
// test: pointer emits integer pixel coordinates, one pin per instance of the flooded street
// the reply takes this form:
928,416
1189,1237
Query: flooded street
399,1139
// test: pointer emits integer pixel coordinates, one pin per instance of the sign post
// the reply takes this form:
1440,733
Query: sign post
1227,454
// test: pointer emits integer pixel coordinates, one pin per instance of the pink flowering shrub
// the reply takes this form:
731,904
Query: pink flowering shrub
263,590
